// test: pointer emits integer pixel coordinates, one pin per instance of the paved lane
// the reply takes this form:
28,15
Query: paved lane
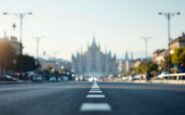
145,99
84,98
95,102
42,99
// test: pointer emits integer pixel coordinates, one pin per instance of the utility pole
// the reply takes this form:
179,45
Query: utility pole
146,45
168,15
37,45
20,16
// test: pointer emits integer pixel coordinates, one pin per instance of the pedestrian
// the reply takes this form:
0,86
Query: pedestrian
147,75
182,68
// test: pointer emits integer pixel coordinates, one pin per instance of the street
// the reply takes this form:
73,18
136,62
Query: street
88,98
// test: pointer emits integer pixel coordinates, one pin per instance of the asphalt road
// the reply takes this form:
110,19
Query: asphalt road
85,98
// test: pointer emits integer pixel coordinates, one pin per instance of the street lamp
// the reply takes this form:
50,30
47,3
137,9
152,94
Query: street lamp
146,45
37,45
21,16
168,15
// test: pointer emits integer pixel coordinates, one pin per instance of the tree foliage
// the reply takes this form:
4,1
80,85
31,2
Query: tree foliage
9,61
7,55
28,63
178,57
142,68
164,64
147,66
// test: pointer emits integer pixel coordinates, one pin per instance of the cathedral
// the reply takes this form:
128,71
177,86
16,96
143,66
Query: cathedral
94,62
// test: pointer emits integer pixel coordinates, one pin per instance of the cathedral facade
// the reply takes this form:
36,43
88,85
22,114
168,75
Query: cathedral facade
94,62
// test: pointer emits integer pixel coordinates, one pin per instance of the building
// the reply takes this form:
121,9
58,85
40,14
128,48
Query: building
13,42
125,66
94,62
56,64
137,63
177,43
159,56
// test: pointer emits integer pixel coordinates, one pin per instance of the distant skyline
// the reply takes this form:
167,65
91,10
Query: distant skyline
69,25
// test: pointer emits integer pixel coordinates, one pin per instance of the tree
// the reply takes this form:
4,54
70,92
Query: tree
163,65
147,66
152,68
49,68
7,56
28,63
142,68
178,57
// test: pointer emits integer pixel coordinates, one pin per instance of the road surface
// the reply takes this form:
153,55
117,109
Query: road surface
87,98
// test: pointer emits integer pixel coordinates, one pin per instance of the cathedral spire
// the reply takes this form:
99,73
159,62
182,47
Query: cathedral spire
132,56
81,50
126,56
106,50
94,41
94,45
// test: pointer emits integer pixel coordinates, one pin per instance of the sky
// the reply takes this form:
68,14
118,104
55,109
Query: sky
67,26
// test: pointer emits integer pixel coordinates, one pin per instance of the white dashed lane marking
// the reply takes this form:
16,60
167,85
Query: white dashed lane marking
95,96
93,89
95,107
95,85
95,93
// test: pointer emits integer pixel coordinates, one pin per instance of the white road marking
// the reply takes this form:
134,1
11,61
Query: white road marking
95,85
95,89
85,107
94,93
98,91
95,96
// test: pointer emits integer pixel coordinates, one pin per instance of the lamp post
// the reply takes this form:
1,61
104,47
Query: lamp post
21,16
146,45
168,15
37,45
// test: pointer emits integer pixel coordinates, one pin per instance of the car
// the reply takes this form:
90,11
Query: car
124,78
37,78
137,77
4,77
162,75
52,78
65,78
91,79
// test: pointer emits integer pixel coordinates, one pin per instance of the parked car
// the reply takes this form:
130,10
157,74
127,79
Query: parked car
137,77
124,78
52,78
4,77
91,79
37,78
161,75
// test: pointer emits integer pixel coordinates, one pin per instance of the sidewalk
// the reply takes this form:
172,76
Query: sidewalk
175,82
14,82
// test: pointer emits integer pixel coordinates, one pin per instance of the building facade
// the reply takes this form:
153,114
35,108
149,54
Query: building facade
94,62
125,66
159,56
12,40
56,64
177,43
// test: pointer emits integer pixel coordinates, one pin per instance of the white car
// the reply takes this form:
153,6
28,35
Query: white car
91,79
37,78
65,78
138,77
53,78
124,78
161,75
